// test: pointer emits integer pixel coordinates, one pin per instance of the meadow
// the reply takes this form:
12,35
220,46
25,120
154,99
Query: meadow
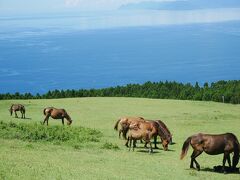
105,156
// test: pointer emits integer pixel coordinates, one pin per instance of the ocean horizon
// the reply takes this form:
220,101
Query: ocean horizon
38,58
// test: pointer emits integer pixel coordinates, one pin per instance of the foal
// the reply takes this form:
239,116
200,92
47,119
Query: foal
140,131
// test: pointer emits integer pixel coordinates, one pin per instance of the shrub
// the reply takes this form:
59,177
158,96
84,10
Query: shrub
56,134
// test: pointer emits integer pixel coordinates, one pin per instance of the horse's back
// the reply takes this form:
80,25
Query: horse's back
17,107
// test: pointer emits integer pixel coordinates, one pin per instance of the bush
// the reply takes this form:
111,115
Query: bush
56,134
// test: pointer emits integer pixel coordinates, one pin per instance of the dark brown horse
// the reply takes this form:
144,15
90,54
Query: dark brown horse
212,145
165,130
17,107
56,114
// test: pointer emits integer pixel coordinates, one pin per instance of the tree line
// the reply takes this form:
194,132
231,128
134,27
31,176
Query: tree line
220,91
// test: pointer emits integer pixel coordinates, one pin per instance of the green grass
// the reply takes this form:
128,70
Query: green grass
108,158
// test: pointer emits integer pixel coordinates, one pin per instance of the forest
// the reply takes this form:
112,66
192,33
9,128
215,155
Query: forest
220,91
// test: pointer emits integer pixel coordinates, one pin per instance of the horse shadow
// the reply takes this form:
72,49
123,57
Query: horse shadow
146,151
218,169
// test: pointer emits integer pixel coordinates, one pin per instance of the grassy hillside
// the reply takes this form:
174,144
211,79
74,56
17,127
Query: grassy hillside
24,159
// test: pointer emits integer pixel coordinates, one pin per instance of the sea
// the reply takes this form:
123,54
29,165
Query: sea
43,53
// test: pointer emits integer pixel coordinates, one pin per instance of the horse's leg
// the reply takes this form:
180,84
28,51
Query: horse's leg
155,142
62,121
119,135
130,143
150,150
194,155
126,144
229,160
226,156
46,119
16,116
134,143
145,145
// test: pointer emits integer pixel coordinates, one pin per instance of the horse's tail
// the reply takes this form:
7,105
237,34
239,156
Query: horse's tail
236,150
116,125
44,111
185,147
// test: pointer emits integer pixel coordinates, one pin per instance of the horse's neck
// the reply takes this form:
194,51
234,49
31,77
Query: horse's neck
68,117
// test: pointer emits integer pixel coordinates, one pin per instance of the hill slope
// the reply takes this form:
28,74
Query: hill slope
23,159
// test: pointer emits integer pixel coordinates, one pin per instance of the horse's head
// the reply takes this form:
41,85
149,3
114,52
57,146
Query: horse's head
165,143
69,122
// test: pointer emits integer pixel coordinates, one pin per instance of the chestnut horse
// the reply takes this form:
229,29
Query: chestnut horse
212,145
56,114
153,128
140,131
124,123
17,107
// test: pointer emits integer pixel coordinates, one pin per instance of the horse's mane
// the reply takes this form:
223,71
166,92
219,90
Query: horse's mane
164,127
163,130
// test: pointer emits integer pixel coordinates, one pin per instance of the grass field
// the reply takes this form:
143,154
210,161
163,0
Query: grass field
103,160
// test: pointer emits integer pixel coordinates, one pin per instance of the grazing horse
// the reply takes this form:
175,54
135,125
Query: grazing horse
17,107
154,129
56,114
164,135
212,145
124,123
166,131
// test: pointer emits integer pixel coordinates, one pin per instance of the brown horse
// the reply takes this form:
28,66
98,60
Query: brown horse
212,145
162,133
17,107
140,131
165,130
56,114
154,129
124,123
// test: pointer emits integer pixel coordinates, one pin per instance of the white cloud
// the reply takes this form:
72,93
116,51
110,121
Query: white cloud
103,4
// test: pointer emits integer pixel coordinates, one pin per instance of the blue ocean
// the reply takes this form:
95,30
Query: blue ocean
37,57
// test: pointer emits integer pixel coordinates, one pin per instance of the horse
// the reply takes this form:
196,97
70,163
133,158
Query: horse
17,107
56,114
163,133
124,123
166,131
140,131
154,128
212,145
